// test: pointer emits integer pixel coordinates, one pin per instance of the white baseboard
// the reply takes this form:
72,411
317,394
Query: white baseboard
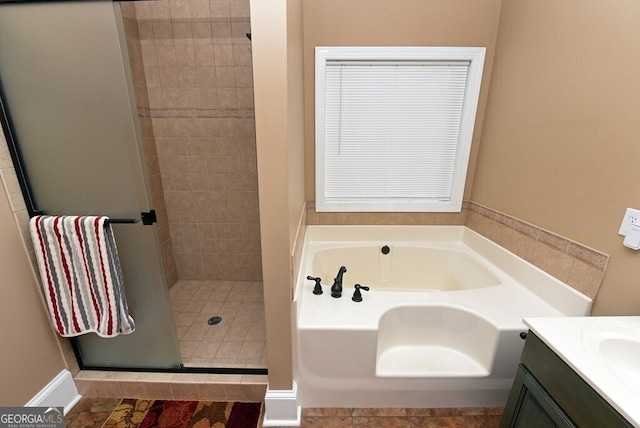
281,408
60,392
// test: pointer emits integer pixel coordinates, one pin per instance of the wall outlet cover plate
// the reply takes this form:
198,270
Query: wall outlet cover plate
631,216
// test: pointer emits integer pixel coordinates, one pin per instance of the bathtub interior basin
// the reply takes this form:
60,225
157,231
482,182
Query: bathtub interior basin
436,341
404,267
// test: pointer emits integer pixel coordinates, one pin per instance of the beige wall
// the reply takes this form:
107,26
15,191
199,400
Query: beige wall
561,141
395,23
278,100
30,356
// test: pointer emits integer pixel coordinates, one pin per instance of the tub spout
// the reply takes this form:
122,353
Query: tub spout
336,288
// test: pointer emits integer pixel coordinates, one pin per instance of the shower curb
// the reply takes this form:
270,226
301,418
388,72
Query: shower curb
182,386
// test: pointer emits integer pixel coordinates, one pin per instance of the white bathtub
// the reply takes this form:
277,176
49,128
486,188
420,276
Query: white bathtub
439,327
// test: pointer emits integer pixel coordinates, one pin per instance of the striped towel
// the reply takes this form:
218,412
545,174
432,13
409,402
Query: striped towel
81,276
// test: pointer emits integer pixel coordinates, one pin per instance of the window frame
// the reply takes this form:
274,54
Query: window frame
474,55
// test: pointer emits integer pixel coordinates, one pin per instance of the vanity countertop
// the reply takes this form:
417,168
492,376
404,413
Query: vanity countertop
604,351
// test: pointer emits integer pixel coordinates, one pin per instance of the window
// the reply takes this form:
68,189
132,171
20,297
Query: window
394,126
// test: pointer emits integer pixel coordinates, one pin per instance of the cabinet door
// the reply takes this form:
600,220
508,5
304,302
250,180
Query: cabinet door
529,405
581,403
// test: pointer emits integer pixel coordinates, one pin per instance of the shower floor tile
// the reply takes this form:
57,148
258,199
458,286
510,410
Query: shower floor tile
237,341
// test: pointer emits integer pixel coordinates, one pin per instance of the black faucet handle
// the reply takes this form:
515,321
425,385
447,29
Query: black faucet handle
318,288
357,296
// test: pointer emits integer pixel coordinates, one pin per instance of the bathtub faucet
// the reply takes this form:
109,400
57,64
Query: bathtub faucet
336,288
357,295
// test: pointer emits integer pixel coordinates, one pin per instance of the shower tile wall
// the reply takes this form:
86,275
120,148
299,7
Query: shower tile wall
197,95
151,156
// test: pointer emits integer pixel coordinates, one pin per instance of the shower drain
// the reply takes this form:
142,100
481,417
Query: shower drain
214,320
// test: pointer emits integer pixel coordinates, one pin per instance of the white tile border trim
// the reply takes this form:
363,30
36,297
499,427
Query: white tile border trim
60,392
281,408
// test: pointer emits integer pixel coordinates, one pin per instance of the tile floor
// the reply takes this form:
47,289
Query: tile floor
238,341
406,418
94,412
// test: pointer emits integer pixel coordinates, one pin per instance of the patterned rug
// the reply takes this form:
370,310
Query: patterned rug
135,413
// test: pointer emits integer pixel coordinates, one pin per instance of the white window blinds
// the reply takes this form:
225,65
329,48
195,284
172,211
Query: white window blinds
390,134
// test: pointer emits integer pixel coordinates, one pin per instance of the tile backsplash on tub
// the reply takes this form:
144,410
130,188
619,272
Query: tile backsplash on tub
575,264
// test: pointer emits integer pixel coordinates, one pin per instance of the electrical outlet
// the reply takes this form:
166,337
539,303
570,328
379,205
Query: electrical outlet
631,216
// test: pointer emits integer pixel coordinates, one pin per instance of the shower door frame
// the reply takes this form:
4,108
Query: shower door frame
32,210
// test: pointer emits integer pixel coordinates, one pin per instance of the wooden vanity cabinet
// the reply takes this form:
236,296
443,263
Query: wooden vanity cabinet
546,392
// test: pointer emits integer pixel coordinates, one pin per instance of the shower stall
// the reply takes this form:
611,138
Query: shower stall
124,109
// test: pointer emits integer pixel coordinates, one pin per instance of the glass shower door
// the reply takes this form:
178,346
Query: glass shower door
67,95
